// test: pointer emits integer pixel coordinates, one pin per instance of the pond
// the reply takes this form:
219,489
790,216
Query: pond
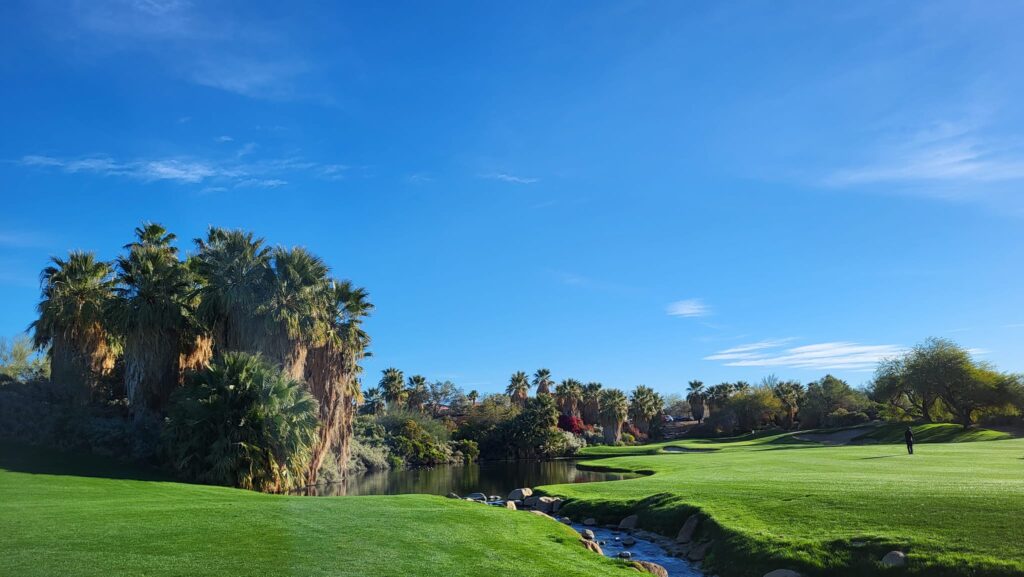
490,477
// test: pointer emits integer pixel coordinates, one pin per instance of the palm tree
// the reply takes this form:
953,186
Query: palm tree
645,406
614,409
417,394
789,393
591,403
242,423
568,394
331,372
297,308
472,397
518,388
233,267
542,381
373,401
153,313
77,294
392,384
696,400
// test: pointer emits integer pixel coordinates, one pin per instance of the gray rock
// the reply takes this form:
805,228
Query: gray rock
477,497
545,504
894,559
782,573
556,505
590,522
520,494
530,501
587,534
689,527
628,542
625,555
629,522
652,568
565,521
699,551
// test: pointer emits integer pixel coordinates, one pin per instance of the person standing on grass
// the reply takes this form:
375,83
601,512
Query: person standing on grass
909,436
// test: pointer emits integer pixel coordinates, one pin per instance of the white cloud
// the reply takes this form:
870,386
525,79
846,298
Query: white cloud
688,308
506,177
830,355
944,154
224,138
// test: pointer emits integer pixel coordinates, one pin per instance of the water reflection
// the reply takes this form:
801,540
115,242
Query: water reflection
491,478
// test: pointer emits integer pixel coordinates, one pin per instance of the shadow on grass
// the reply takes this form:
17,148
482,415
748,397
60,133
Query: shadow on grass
18,458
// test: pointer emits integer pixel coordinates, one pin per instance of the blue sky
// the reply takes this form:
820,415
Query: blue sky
629,192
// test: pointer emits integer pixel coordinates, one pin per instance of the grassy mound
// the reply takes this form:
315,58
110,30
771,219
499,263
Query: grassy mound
931,433
72,516
774,501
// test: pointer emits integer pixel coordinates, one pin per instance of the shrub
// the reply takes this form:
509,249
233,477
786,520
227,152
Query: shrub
241,423
843,418
466,449
571,424
417,447
628,438
368,455
561,443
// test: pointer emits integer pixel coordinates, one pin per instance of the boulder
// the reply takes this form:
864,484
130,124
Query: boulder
699,551
477,497
565,521
629,522
520,494
590,522
592,546
689,528
530,501
625,555
545,504
782,573
453,496
894,559
510,505
556,505
587,534
628,542
652,568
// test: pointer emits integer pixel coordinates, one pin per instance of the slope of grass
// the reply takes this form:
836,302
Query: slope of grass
55,521
955,508
931,433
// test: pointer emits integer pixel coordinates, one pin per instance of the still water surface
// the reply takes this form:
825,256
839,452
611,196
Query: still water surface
491,478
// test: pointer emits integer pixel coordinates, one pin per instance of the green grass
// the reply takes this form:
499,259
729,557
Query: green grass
68,516
931,433
774,502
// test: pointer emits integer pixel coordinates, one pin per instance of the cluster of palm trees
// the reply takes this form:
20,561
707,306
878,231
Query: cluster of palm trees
150,317
591,402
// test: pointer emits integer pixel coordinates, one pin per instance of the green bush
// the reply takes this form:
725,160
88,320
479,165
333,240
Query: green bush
242,423
417,447
561,443
467,449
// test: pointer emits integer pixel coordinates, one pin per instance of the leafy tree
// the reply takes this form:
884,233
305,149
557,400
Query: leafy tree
614,410
77,294
242,423
20,362
676,405
542,381
518,388
591,403
827,396
568,395
697,399
392,384
645,407
445,393
755,408
531,428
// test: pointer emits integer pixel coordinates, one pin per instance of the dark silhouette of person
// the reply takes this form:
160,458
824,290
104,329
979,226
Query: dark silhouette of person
909,436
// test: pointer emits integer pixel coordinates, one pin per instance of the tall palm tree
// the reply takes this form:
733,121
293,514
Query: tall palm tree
614,409
153,313
297,308
542,382
373,401
472,397
417,394
392,383
696,399
518,388
331,373
590,406
77,294
233,267
645,406
789,393
568,394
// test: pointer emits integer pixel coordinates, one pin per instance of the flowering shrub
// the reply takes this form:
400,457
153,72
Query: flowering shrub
571,424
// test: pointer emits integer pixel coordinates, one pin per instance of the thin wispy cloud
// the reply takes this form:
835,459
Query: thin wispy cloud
510,178
688,308
224,139
838,355
955,154
217,174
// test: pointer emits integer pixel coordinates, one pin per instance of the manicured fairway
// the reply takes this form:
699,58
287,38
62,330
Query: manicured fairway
69,525
956,508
